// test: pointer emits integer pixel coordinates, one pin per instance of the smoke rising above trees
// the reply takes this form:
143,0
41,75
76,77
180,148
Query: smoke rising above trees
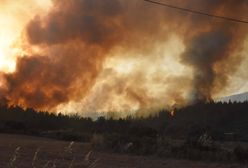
69,47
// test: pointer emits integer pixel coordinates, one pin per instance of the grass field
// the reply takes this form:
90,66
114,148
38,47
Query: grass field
21,151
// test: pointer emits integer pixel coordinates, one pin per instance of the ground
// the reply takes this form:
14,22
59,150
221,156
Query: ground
21,151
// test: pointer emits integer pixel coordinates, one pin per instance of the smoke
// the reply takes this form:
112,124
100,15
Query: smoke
119,55
90,22
214,53
72,42
202,54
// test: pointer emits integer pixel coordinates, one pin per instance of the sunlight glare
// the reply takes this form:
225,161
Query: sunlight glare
14,15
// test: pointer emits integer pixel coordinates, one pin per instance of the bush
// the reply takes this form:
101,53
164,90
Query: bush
241,154
97,141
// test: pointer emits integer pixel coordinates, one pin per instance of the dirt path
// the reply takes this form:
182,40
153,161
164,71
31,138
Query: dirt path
31,152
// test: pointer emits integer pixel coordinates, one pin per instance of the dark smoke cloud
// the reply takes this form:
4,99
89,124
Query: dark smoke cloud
211,46
202,54
74,39
92,22
76,36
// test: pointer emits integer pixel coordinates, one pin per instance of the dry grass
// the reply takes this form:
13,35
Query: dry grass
17,151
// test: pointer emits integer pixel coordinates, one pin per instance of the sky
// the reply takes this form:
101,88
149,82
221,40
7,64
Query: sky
119,56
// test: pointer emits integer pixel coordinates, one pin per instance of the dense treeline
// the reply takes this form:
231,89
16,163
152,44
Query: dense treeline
218,119
199,131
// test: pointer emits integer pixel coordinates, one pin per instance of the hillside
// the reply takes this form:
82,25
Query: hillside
242,97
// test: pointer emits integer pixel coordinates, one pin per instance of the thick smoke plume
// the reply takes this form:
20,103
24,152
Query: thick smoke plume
203,54
68,50
213,52
75,37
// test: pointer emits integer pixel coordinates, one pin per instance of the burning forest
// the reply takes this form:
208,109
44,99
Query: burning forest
120,56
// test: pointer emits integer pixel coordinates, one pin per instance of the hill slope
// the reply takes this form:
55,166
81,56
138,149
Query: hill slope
242,97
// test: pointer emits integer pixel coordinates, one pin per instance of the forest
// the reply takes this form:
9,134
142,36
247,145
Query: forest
193,132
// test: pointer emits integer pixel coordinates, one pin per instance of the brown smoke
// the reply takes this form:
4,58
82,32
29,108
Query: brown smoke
202,54
76,38
212,53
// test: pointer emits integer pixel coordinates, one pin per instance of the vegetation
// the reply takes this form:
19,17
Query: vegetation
195,132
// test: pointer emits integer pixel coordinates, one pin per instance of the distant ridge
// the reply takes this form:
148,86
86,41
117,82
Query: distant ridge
242,97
